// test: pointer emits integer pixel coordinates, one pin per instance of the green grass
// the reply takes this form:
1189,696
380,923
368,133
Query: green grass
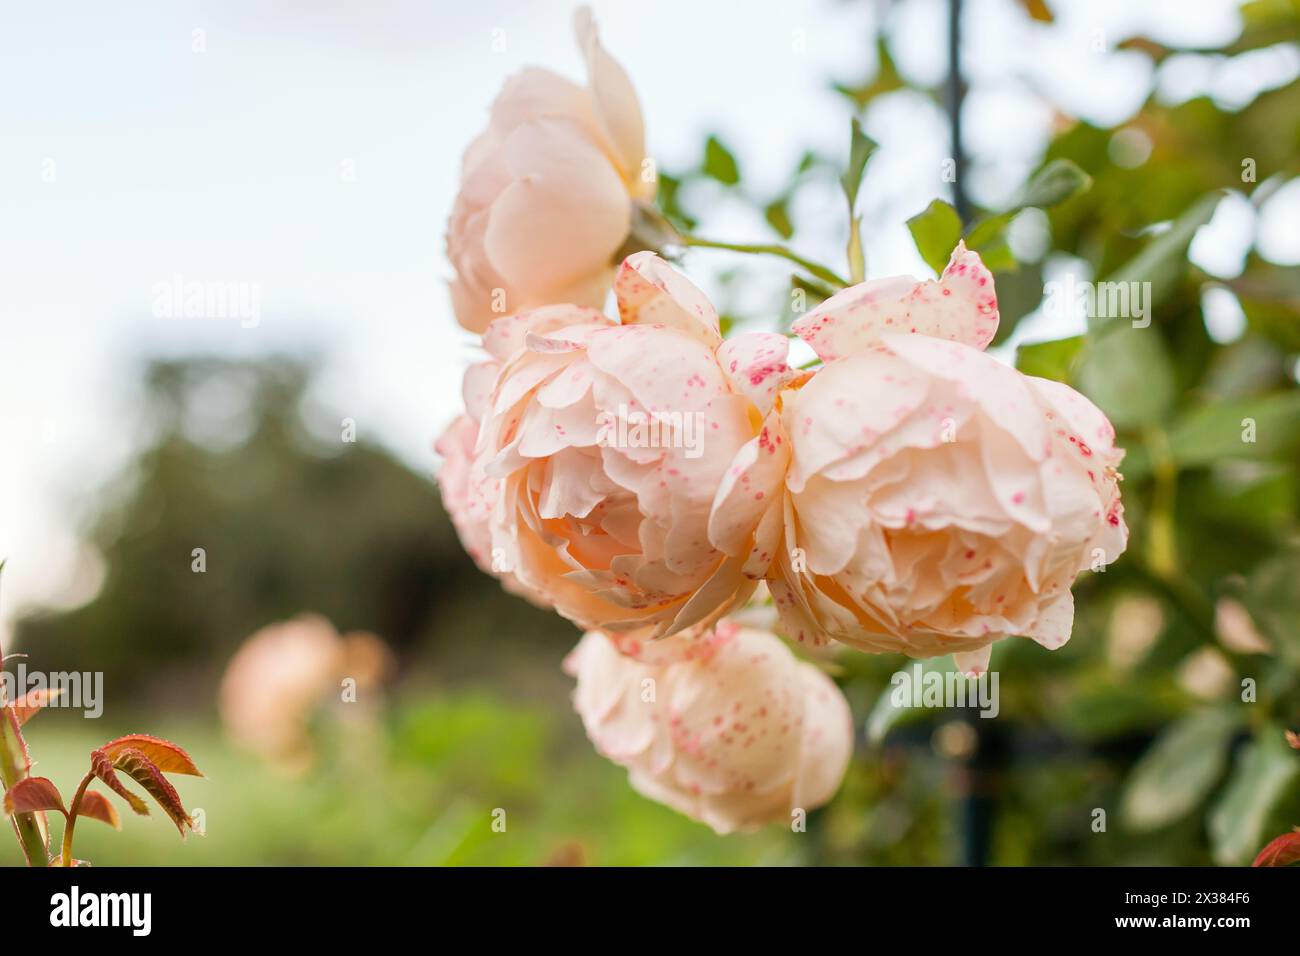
418,788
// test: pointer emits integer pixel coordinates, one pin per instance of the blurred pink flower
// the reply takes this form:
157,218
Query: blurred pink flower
728,728
546,190
283,674
937,499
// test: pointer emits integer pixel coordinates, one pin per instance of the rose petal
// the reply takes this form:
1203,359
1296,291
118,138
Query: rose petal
565,214
756,364
961,307
651,292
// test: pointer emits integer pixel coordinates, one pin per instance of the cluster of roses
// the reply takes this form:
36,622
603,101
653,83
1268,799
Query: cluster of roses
910,494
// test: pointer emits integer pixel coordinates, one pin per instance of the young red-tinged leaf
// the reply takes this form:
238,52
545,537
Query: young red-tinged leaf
33,794
58,861
165,755
1293,739
1283,851
97,806
13,742
145,772
103,768
26,706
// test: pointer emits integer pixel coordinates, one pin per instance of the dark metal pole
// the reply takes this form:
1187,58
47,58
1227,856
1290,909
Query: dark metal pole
980,771
956,94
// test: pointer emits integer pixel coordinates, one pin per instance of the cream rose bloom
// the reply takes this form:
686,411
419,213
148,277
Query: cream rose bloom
729,728
467,490
546,190
630,478
937,499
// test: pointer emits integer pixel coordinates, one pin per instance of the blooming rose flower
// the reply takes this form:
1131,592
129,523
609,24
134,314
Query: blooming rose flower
728,728
546,190
466,490
937,499
282,674
631,479
467,495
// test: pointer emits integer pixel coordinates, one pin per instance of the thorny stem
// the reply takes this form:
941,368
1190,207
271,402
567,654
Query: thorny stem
13,768
769,249
72,817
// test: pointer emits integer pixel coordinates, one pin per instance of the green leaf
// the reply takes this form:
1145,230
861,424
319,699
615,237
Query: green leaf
1050,359
1163,261
936,231
999,257
1128,373
1272,318
1056,182
777,214
1175,775
1273,598
886,80
670,202
1260,777
1220,431
893,707
989,231
719,163
861,147
1052,185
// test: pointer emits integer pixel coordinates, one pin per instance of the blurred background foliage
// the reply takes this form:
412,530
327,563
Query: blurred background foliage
1141,715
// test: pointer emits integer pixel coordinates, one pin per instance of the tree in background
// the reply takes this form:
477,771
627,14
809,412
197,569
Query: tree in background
288,521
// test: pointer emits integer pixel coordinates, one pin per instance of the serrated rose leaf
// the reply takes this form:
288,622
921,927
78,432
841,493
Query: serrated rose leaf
97,806
145,772
1282,851
103,769
32,795
163,754
26,706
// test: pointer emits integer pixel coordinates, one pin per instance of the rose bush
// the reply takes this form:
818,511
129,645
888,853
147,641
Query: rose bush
907,493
